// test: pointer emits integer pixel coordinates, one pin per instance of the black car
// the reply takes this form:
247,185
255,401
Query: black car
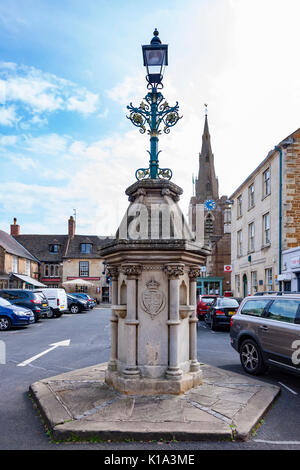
91,302
76,305
221,311
34,301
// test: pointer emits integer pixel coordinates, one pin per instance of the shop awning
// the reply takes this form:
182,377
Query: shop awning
29,280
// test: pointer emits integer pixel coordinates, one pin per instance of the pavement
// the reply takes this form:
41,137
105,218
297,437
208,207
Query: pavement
79,405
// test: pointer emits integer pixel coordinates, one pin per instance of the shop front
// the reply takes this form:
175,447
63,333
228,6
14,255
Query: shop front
209,285
290,277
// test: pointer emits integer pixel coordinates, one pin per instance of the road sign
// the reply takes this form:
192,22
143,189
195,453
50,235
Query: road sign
227,268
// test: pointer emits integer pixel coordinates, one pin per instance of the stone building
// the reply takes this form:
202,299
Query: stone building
265,225
70,257
210,221
18,267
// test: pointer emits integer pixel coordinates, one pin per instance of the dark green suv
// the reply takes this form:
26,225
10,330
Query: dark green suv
266,331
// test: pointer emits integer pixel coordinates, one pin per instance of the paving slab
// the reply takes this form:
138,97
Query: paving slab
80,404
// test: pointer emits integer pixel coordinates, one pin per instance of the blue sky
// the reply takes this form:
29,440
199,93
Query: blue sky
68,69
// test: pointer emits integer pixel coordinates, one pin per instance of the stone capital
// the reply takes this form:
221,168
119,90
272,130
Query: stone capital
132,271
113,271
194,273
173,271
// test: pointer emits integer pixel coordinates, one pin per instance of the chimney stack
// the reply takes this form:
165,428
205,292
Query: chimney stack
15,229
72,225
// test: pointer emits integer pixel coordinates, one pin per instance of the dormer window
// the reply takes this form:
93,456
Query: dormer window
85,248
53,248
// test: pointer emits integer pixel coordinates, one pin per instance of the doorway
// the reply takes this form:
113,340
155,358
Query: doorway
245,285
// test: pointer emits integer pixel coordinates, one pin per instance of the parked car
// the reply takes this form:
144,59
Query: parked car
12,316
88,298
203,304
220,312
76,304
266,331
238,299
57,299
34,301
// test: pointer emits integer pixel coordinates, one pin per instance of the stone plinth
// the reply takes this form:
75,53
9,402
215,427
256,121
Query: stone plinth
154,264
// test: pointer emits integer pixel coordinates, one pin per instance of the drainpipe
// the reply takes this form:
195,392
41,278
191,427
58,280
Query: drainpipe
279,149
284,144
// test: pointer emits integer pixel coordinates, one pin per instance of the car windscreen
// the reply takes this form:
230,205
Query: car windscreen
40,296
4,303
207,300
228,302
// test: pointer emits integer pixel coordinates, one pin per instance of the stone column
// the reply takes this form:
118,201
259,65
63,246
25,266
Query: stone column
194,273
132,272
174,271
113,272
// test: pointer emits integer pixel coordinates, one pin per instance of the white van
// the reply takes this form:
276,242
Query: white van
57,300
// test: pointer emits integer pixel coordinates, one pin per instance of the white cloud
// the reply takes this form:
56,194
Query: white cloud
37,93
48,144
8,116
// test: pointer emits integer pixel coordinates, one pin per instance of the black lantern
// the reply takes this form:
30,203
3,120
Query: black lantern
155,57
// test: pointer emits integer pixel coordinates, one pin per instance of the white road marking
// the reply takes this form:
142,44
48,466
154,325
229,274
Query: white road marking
288,443
288,388
53,346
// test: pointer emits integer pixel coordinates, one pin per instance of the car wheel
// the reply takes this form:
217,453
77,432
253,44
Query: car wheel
251,358
74,309
5,324
50,314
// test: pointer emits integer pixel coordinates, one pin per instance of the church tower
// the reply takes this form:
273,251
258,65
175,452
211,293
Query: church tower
209,216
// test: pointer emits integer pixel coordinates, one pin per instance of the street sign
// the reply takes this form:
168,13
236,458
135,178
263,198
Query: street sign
227,268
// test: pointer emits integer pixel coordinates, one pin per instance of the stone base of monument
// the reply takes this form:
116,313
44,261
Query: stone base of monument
136,385
80,405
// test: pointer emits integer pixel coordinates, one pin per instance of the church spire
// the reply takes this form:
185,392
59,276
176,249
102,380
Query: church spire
207,186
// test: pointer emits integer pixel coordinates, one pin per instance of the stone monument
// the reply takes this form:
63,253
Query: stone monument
153,322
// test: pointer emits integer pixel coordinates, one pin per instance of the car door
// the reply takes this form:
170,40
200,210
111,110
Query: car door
282,332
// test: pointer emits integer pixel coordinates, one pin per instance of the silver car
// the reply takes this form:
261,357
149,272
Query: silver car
266,331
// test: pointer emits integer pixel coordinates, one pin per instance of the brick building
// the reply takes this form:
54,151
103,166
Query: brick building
265,224
210,221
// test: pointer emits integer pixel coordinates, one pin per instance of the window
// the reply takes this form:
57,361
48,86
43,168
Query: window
284,310
51,270
268,278
209,225
255,307
251,237
266,229
27,267
239,242
239,206
105,294
251,196
237,285
53,248
85,248
14,264
84,268
254,281
266,183
81,289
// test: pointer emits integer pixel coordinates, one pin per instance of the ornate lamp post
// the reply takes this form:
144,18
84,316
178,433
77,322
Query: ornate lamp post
153,110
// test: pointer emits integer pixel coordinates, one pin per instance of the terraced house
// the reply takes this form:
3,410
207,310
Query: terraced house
18,267
265,225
